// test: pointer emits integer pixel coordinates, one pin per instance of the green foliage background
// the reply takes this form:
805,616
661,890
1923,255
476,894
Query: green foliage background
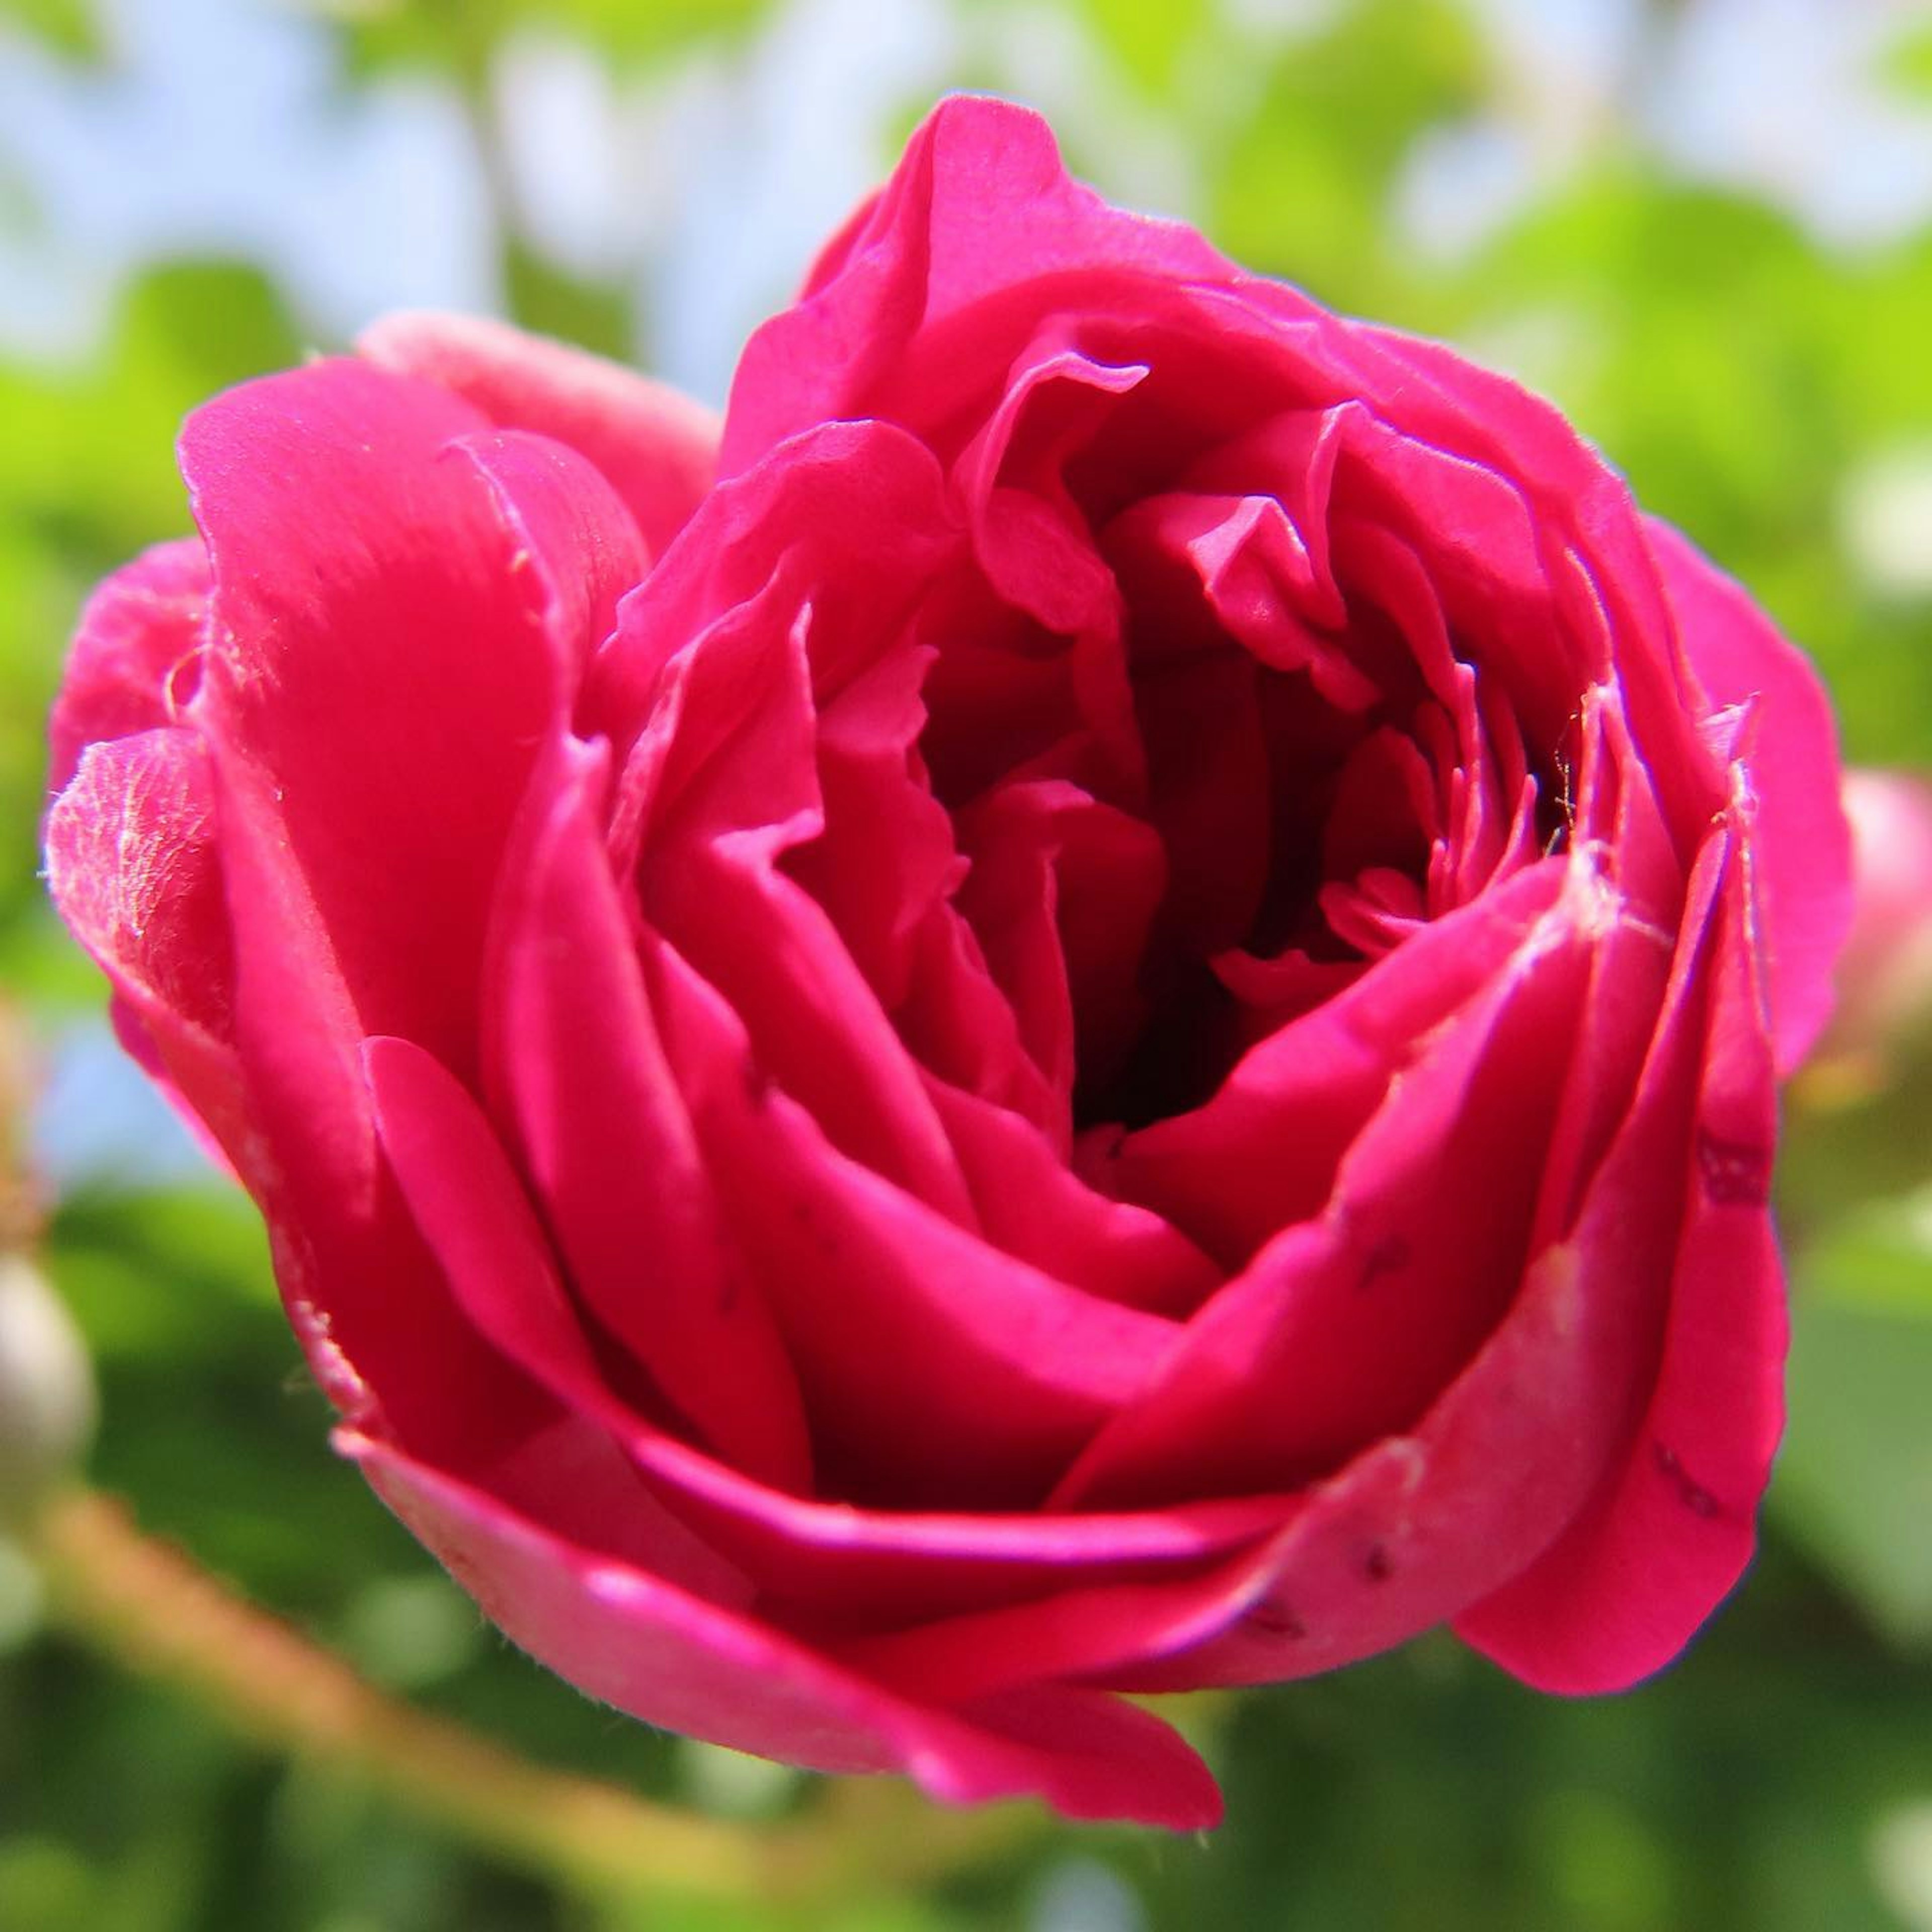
1753,382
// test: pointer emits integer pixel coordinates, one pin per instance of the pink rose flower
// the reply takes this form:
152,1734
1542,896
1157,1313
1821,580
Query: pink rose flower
1106,1022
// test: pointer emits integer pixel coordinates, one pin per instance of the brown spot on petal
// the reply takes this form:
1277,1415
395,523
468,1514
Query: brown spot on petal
1737,1174
1269,1618
1698,1500
1390,1255
1377,1565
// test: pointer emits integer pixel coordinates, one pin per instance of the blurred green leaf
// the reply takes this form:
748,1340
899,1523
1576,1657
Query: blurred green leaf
548,298
1907,60
1302,183
1738,374
1147,37
453,35
45,1885
68,26
1855,1480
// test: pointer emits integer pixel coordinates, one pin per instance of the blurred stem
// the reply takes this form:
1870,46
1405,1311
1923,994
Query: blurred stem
152,1610
540,294
473,31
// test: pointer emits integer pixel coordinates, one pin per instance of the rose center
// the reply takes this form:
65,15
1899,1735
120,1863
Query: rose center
1235,802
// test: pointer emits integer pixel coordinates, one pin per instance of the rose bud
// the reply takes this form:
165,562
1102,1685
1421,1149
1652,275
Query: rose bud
46,1392
1108,1022
1885,974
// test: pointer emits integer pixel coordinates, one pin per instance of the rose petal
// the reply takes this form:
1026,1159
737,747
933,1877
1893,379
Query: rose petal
359,580
1030,537
877,1569
362,569
1033,1206
1342,1329
1620,1593
133,864
853,515
609,1145
1801,844
980,204
1061,895
465,1201
572,533
726,783
135,655
1263,1152
1423,1523
658,448
632,1638
998,1372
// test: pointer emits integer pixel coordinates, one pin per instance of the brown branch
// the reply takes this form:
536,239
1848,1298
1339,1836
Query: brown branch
153,1610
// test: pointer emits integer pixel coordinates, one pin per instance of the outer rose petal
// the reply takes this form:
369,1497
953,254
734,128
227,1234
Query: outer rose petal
658,448
359,578
873,1567
133,660
1622,1590
1344,1327
634,1640
365,779
1800,845
582,542
978,205
132,866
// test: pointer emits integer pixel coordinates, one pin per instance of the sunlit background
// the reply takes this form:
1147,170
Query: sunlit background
1705,226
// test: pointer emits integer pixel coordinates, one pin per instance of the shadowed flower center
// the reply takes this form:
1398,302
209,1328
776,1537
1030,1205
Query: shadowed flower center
1221,715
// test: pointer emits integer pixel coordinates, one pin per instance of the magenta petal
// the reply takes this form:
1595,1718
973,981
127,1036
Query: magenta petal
568,528
136,658
1263,1152
1424,1522
1594,556
471,1211
362,570
850,518
724,784
610,1146
1342,1329
632,1638
1801,843
1630,974
979,204
362,576
1030,537
1429,1522
657,448
132,866
1092,1626
883,864
882,1569
1060,894
1618,1596
872,1568
998,1373
1030,1204
364,1295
